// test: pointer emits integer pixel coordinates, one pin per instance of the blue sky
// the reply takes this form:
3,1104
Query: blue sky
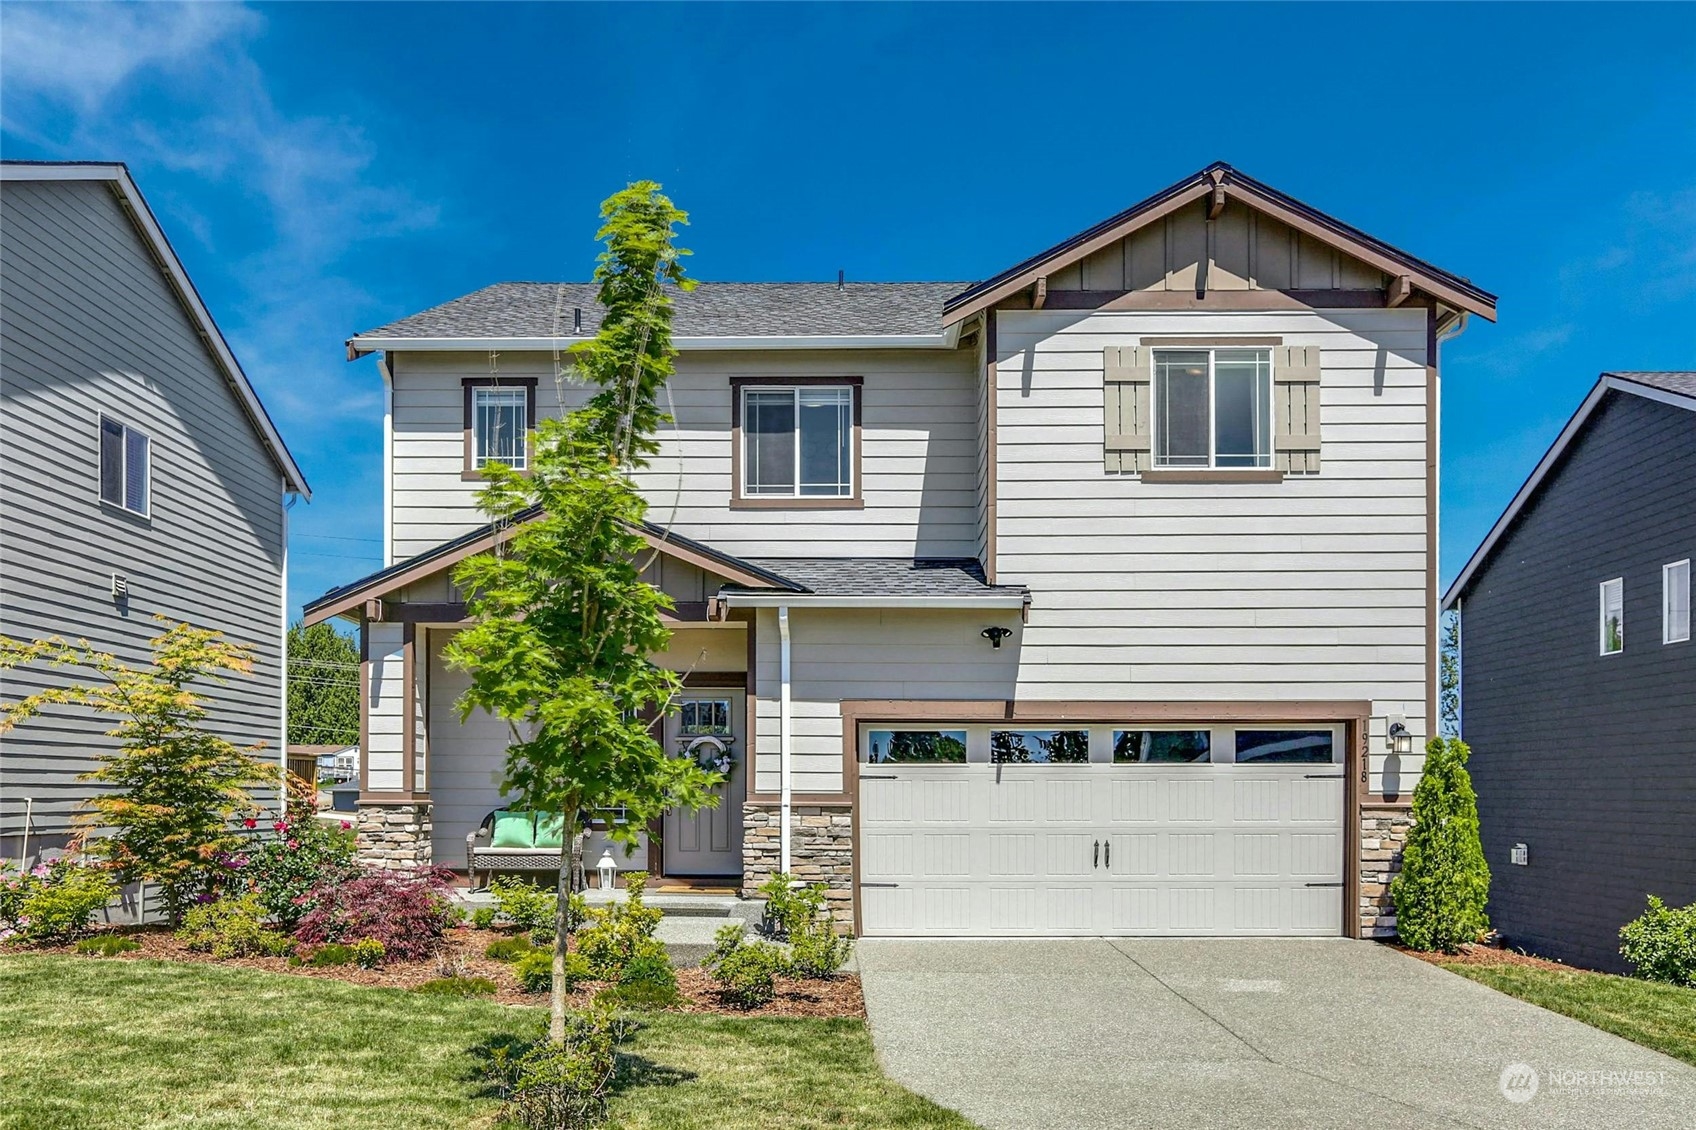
323,169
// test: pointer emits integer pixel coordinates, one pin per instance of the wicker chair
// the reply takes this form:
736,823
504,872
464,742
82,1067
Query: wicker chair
480,855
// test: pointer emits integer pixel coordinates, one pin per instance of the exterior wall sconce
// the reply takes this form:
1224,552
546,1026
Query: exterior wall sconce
607,870
1400,738
995,635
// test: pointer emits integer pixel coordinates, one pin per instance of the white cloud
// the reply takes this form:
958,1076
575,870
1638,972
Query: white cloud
176,88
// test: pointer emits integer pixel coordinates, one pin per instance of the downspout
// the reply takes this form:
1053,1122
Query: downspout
384,366
783,752
289,499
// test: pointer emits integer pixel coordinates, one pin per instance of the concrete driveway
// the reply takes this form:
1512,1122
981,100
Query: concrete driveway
1251,1033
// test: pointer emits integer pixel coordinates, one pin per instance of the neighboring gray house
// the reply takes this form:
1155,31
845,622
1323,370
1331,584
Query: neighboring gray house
1578,675
139,475
1085,599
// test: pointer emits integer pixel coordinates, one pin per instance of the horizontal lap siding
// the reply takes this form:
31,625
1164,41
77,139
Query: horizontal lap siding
920,449
1311,588
1589,760
87,323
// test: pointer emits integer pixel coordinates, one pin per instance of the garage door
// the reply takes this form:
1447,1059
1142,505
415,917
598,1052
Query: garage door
1222,830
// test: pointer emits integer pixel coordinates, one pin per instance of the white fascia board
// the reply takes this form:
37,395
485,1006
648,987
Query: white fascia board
682,344
1579,418
118,178
804,600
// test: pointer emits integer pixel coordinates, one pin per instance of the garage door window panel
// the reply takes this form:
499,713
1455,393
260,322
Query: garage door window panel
1039,747
916,747
1168,747
1285,747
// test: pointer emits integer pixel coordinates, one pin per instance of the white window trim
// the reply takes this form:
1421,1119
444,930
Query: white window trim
1666,602
794,392
1602,617
478,462
146,511
1212,423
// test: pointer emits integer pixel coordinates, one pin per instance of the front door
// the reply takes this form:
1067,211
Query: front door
707,725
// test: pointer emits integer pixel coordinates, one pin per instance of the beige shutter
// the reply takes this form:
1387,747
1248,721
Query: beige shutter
1129,433
1295,396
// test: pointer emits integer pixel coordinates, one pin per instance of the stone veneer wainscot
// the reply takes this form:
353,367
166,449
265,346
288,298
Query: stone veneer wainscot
393,835
822,851
1383,834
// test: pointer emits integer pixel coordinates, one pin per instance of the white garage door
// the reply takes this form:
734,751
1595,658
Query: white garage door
1225,830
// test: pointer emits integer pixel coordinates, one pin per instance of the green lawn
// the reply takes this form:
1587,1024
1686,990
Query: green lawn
102,1042
1657,1016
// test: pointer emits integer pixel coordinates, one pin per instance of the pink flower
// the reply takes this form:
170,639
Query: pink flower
294,844
346,825
250,822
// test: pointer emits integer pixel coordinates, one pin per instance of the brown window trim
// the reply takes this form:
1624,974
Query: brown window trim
471,474
1212,475
856,501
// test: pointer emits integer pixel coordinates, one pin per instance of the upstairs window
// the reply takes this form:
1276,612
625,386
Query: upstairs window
499,416
125,466
1213,408
1675,602
1612,626
798,442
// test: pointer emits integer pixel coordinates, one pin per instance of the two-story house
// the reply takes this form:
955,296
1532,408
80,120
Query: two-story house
1578,675
139,476
1096,597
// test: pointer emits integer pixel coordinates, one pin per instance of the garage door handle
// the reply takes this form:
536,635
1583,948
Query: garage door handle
1107,856
890,885
1095,860
878,777
1321,884
1323,776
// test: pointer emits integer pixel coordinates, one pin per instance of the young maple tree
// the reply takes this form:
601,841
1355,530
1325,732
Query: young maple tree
176,786
563,623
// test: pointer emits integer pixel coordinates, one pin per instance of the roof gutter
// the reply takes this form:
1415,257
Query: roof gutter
808,600
358,346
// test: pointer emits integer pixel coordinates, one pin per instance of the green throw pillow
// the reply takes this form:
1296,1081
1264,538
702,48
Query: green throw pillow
550,830
514,830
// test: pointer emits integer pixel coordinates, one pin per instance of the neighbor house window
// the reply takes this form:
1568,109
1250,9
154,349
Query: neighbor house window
1675,602
1161,745
1213,408
499,416
916,747
1039,747
797,442
1285,747
125,470
1613,616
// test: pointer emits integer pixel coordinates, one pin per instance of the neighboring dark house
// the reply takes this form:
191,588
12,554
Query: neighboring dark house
1578,675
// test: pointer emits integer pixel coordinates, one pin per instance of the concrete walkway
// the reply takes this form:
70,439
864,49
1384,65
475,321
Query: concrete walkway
1250,1033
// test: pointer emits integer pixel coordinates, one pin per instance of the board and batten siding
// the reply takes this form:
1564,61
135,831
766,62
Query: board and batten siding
1313,588
920,449
89,325
1587,759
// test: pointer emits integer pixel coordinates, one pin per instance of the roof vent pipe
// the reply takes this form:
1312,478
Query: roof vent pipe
577,321
841,278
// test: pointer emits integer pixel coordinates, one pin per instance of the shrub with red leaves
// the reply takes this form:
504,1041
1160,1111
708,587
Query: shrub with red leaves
405,910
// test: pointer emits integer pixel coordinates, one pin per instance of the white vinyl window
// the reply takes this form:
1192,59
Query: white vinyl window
499,421
1213,408
798,442
1612,617
125,466
1675,602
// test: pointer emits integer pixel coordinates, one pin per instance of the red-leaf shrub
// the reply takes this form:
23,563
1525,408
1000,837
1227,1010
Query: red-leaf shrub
405,910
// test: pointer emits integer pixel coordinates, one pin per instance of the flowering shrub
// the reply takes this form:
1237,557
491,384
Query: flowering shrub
53,902
284,871
232,927
405,910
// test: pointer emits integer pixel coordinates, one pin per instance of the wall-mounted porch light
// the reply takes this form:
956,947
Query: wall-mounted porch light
1400,738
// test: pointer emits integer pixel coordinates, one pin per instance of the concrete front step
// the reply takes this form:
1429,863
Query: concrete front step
688,939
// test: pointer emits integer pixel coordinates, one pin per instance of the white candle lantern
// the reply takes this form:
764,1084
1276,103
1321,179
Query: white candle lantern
608,870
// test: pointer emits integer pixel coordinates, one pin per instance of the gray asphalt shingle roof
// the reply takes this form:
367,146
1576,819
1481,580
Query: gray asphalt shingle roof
532,310
1680,382
884,576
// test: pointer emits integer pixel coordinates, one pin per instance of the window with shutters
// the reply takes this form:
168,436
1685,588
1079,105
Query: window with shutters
125,466
1212,407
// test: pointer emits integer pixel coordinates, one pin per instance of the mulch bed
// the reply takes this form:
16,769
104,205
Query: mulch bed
462,954
1487,955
